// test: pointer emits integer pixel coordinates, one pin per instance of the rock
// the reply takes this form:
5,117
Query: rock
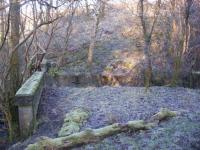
73,121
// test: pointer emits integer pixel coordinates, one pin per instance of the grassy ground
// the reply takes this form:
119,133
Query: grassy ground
108,105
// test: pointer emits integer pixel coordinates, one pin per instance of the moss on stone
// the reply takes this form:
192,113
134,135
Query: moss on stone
73,121
54,71
31,85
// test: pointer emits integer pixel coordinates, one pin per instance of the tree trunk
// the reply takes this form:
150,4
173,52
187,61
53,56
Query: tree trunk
14,74
90,52
147,35
175,45
1,22
188,5
93,40
87,8
148,66
14,40
48,14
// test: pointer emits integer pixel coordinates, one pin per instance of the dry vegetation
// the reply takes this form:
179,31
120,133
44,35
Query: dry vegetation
126,42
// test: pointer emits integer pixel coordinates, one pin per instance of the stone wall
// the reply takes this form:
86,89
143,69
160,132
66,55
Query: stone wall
73,80
27,100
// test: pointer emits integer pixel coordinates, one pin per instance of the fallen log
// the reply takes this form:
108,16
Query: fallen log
95,135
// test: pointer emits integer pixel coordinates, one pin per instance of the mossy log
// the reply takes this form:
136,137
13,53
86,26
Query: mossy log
95,135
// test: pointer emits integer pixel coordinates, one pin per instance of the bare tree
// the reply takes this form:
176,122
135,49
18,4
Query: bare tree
10,76
99,8
14,40
180,35
147,35
188,5
87,7
48,13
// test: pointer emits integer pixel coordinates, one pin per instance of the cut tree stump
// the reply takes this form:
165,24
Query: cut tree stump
94,135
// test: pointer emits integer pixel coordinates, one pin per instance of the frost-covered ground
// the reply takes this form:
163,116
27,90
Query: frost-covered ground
121,104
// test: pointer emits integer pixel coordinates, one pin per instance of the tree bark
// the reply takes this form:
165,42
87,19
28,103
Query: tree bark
14,74
14,40
188,5
93,40
148,65
48,14
2,22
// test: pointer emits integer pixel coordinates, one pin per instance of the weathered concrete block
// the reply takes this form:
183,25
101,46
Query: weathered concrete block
44,65
27,99
75,80
25,119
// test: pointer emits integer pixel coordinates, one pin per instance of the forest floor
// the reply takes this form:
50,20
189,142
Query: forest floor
108,105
